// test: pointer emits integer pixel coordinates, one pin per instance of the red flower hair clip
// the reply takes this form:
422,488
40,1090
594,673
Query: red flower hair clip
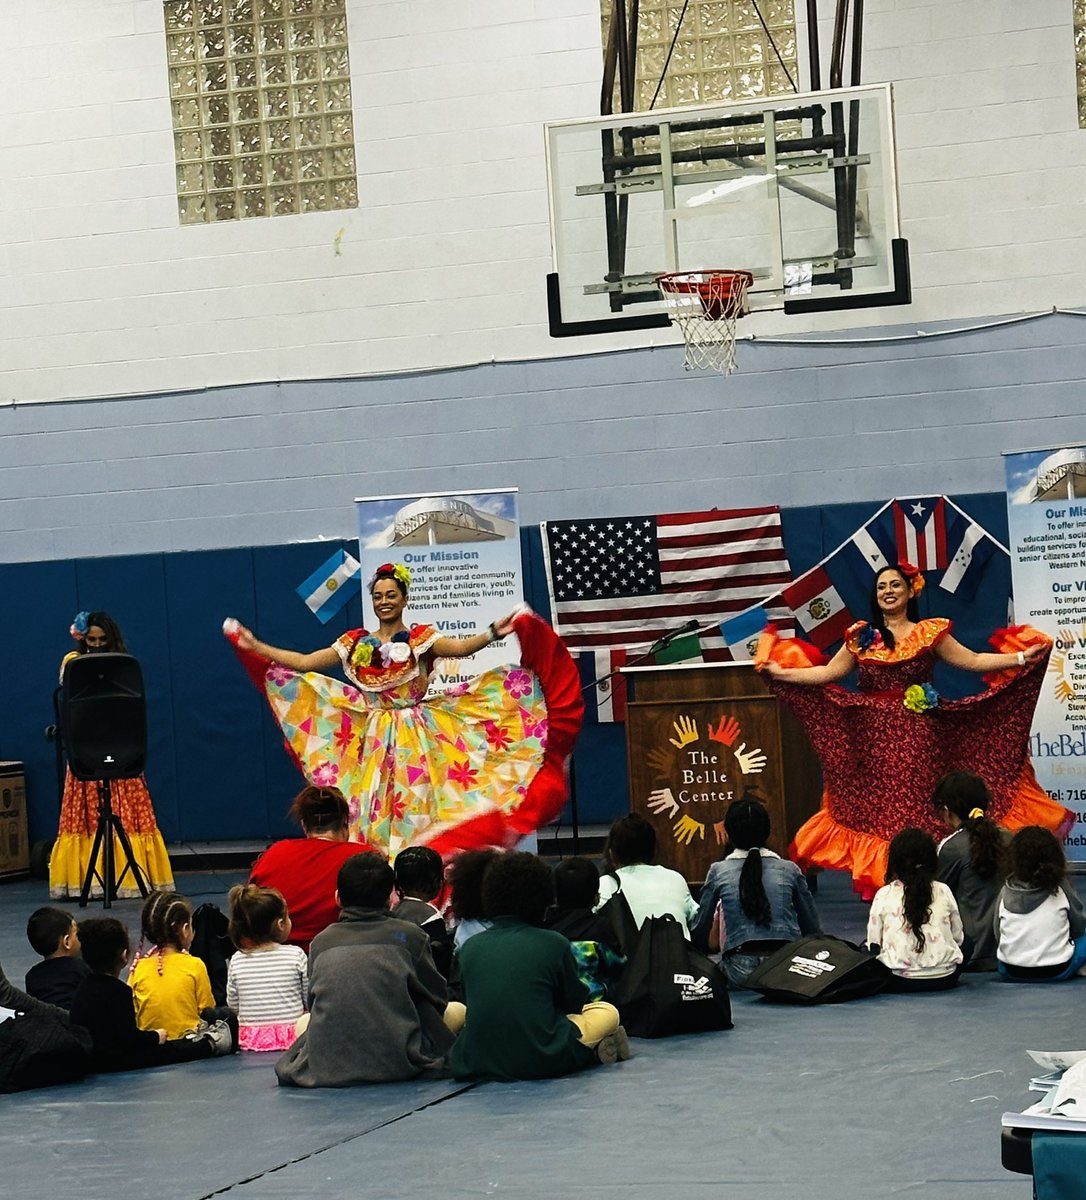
913,577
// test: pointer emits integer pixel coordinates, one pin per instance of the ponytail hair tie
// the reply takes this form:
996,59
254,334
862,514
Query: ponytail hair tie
975,814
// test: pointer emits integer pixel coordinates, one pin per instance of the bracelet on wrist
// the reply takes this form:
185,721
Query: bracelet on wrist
1021,657
493,631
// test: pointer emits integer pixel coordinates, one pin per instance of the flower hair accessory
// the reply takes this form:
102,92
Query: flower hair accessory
921,697
78,627
398,572
913,577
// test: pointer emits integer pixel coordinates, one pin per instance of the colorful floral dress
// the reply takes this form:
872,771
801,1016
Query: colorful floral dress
881,760
480,765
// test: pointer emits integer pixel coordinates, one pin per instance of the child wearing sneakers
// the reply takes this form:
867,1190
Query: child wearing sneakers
54,935
171,988
103,1006
528,1015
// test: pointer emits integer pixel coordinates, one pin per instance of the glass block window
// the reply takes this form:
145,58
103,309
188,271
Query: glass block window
722,51
261,95
1080,59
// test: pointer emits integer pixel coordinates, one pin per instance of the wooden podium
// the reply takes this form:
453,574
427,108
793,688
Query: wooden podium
699,736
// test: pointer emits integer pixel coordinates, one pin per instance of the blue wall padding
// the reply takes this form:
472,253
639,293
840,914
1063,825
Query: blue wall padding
216,765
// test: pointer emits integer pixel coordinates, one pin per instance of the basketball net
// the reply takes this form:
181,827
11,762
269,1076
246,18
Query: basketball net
705,305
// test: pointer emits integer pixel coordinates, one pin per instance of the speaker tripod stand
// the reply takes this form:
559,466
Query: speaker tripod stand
110,825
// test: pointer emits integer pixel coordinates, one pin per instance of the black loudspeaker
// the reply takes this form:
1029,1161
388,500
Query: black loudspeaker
104,716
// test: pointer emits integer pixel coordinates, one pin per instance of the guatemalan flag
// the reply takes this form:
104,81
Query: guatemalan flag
741,633
325,592
920,526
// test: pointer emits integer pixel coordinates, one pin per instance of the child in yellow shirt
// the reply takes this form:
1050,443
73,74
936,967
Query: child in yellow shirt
170,987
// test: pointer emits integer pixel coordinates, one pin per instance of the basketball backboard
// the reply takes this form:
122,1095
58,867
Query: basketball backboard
800,190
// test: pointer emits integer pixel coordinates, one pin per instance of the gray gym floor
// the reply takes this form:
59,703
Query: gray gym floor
892,1096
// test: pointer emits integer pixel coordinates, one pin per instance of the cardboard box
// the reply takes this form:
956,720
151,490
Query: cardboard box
14,844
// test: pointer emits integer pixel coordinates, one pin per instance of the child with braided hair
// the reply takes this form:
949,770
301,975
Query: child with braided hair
169,986
914,920
972,861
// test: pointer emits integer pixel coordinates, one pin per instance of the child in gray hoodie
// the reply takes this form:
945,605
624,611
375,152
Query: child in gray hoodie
1040,924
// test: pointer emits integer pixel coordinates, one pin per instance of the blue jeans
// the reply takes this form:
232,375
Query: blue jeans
1078,960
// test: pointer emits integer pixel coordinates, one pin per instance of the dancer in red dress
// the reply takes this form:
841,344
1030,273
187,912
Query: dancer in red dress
883,748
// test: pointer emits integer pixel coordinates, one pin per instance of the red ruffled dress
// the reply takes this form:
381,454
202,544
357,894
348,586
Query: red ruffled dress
881,760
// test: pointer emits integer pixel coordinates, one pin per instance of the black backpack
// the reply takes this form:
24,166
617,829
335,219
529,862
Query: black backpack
38,1050
211,943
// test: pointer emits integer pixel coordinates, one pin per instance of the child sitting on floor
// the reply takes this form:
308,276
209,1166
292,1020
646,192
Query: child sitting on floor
171,988
914,921
763,899
266,981
420,877
1040,926
576,893
528,1015
972,861
54,935
466,883
103,1006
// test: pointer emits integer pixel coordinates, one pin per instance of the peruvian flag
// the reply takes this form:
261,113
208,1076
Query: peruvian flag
920,526
818,607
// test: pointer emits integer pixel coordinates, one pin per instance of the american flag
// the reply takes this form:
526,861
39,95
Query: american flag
625,581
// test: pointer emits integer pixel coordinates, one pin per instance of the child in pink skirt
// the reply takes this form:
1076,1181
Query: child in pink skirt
267,982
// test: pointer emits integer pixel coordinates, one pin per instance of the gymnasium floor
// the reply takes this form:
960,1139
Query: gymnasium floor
893,1096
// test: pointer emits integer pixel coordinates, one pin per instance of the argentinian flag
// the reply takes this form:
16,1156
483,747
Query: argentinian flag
325,592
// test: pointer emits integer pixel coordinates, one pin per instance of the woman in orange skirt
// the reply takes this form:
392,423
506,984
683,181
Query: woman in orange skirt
883,748
96,633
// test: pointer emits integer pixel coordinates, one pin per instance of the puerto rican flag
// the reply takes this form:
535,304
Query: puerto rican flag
920,526
818,607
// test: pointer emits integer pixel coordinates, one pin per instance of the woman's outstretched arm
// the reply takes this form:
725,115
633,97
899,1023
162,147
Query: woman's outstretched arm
952,651
450,647
837,668
316,660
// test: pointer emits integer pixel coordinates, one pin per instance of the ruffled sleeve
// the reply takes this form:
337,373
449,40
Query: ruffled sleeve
421,638
345,643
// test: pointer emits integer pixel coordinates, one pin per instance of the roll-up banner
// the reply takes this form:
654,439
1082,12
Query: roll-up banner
463,552
1046,516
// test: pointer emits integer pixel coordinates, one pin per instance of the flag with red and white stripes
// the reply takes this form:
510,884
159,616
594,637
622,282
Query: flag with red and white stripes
623,582
920,526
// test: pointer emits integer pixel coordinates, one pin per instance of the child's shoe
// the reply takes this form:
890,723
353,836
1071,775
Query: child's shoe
615,1047
223,1039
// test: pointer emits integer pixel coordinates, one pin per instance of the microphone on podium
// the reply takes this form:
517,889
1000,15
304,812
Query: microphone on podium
691,626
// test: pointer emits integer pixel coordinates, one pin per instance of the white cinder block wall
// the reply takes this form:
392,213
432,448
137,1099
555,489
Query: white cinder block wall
103,294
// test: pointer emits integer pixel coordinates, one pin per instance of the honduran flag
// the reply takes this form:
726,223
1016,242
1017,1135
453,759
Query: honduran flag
969,560
818,607
325,592
921,532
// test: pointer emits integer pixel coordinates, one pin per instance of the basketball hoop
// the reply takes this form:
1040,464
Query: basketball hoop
706,305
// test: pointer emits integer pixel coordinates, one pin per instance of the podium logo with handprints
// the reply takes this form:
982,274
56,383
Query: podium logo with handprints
697,774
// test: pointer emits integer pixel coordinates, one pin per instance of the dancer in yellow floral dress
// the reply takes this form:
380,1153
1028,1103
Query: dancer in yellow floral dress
482,764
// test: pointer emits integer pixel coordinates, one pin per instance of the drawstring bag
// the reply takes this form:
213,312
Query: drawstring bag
819,970
38,1050
667,986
